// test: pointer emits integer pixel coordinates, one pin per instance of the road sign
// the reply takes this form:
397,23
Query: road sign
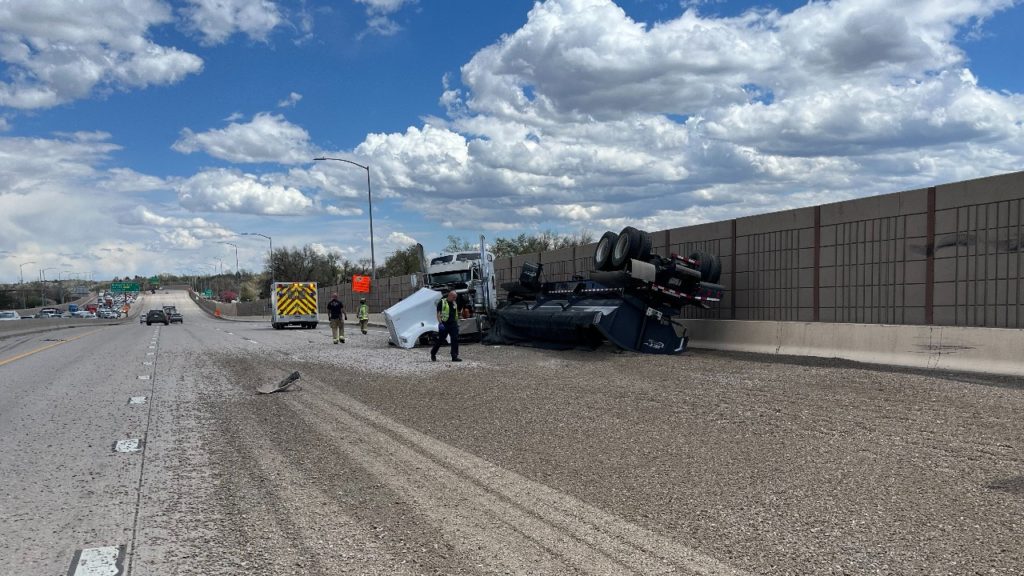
207,293
124,286
360,283
154,280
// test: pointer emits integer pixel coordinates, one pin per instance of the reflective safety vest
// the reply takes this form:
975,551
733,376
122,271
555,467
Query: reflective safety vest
364,312
445,317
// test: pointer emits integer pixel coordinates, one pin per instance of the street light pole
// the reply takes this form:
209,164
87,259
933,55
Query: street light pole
271,240
369,198
21,287
42,285
238,275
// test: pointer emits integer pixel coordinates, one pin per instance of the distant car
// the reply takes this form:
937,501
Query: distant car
157,316
48,313
173,315
142,318
9,315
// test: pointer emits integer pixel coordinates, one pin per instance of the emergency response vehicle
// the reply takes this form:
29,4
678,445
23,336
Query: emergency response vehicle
293,304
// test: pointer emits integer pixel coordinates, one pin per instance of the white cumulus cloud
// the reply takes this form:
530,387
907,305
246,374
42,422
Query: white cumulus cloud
217,20
290,102
56,53
267,138
222,190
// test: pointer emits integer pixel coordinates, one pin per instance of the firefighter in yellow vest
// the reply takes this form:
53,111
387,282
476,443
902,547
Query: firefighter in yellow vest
363,314
447,326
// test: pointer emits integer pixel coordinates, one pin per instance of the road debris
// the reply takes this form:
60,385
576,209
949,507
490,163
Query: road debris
280,386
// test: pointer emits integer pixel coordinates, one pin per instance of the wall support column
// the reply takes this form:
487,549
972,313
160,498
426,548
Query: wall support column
817,263
929,278
732,275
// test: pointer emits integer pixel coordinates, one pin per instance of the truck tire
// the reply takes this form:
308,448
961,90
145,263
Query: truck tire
603,252
710,267
277,326
313,326
645,246
632,243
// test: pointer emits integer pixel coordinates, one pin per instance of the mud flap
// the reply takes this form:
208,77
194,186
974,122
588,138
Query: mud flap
639,328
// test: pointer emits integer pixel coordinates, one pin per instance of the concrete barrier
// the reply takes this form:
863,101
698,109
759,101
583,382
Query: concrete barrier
985,350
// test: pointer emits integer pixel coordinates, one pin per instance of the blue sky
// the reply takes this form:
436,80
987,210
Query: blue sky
136,140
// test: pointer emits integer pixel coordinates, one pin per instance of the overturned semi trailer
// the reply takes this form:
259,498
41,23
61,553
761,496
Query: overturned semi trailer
633,299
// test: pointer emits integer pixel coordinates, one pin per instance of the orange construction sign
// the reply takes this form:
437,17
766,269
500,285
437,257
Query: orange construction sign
361,284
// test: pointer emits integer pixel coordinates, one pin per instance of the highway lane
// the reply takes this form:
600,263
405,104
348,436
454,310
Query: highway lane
64,404
516,461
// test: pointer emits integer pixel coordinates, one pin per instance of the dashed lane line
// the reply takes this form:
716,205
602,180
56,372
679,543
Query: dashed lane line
129,445
102,561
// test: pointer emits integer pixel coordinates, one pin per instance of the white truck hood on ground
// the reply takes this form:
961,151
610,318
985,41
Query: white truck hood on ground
412,317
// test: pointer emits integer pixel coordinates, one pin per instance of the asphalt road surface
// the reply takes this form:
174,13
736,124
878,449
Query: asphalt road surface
144,450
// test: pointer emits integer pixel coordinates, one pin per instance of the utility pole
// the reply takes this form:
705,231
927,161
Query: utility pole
21,288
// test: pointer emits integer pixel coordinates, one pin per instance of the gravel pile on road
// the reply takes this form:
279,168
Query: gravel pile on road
383,462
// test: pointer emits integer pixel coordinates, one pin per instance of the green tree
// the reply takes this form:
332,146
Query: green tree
250,291
456,244
402,262
532,244
305,265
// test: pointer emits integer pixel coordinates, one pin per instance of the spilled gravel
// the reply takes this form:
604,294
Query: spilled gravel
527,461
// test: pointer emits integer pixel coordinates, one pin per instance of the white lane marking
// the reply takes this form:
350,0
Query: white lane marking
150,353
129,445
103,561
151,347
231,333
147,363
137,400
143,376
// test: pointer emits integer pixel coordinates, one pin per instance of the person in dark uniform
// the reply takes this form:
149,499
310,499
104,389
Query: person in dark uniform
447,326
336,314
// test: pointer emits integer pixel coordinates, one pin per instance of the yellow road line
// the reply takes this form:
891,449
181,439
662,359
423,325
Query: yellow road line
47,347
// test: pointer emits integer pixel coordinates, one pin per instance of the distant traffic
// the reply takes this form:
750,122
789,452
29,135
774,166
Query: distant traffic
106,305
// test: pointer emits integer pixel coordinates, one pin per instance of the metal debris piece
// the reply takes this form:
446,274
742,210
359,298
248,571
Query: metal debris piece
282,385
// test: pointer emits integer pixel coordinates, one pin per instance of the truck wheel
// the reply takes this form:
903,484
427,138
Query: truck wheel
313,326
632,243
603,252
276,326
645,246
710,267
